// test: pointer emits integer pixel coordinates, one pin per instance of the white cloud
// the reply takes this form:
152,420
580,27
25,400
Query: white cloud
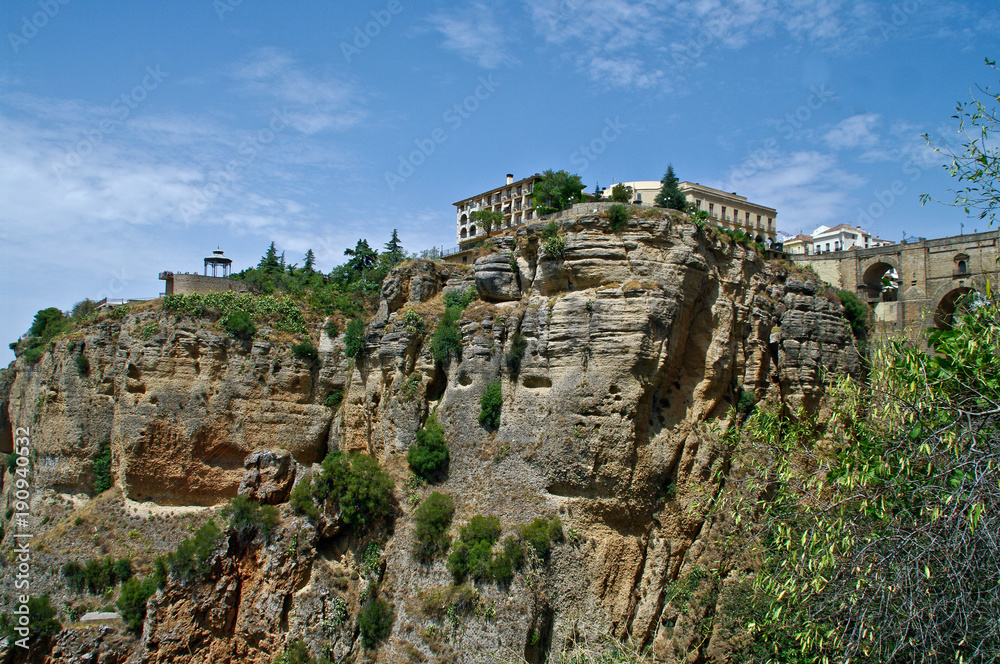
475,34
806,188
311,103
855,131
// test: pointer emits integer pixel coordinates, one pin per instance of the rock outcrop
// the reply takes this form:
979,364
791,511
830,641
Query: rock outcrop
620,359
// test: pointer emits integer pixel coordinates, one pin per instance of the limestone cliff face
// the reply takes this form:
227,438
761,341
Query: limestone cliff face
179,404
638,344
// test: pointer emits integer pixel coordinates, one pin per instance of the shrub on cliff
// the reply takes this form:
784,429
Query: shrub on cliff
858,313
490,405
514,356
446,342
472,554
432,521
42,624
132,602
428,457
248,517
191,558
375,622
306,352
354,338
240,325
617,216
541,534
352,485
102,470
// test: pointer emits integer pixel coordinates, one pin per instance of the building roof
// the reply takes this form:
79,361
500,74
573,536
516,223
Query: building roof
488,192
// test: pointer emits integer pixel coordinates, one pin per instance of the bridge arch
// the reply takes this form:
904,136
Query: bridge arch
873,270
945,309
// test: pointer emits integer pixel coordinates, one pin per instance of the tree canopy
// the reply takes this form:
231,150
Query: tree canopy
556,190
670,195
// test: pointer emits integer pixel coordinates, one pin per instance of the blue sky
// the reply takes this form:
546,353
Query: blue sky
137,136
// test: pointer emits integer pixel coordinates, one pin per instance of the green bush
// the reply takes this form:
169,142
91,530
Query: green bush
82,365
428,457
617,216
334,399
42,622
432,521
331,328
490,405
550,230
375,622
472,555
555,247
353,485
541,534
32,354
132,602
97,574
514,357
283,312
240,325
745,405
306,352
248,517
102,470
446,342
192,557
461,299
507,562
354,338
857,312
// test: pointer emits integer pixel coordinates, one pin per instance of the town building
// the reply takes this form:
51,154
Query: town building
727,209
826,239
513,199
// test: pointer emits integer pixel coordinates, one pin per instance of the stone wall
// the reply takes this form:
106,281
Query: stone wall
188,284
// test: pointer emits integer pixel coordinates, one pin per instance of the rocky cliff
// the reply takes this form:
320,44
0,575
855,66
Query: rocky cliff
637,345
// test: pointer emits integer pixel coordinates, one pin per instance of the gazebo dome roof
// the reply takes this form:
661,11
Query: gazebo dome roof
218,257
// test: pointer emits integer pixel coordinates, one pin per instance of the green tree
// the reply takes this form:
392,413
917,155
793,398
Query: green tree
363,257
622,193
556,190
490,405
102,470
977,163
309,263
670,195
375,622
393,254
132,602
48,323
269,263
884,548
488,219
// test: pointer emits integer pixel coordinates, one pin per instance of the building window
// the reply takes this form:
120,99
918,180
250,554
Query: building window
723,212
963,267
465,233
769,221
711,209
697,204
827,244
472,231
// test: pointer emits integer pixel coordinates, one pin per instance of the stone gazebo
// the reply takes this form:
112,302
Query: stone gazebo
188,283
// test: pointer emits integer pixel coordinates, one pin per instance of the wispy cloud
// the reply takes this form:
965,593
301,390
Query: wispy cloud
807,189
475,34
855,131
313,103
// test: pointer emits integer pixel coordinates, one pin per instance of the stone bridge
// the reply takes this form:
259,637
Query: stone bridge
912,285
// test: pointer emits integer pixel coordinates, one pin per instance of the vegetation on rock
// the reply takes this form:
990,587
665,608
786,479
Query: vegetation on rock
431,523
556,190
428,457
350,485
490,405
375,622
670,195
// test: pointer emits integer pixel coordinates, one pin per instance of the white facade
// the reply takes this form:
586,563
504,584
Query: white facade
727,209
513,200
841,237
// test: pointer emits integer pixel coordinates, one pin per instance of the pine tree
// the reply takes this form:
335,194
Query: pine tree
363,257
269,262
309,262
670,195
394,253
